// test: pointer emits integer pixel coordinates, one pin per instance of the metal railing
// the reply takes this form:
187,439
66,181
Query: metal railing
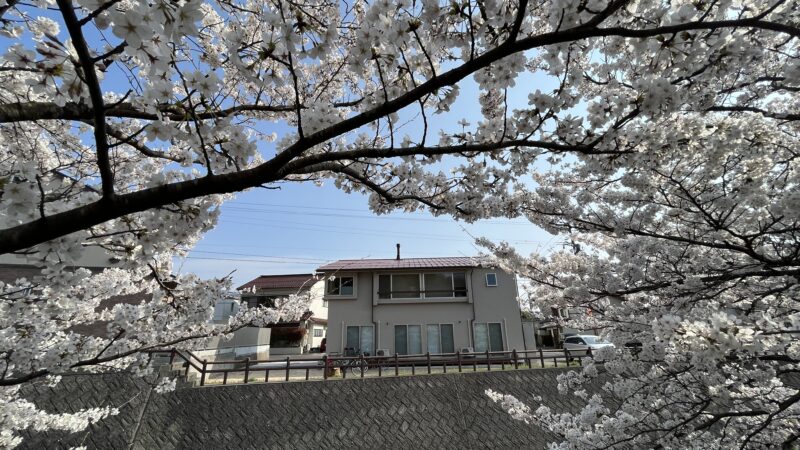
342,367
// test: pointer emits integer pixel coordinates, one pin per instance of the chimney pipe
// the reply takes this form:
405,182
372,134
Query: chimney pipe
398,252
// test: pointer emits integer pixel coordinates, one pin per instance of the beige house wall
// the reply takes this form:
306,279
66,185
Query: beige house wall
483,304
352,310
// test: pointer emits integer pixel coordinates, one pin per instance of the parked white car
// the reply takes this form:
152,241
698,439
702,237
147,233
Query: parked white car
585,342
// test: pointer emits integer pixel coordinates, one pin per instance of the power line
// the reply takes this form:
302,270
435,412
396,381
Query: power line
321,250
342,228
251,260
314,260
362,231
278,205
376,217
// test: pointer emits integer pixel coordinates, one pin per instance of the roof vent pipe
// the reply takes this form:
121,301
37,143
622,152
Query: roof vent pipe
398,252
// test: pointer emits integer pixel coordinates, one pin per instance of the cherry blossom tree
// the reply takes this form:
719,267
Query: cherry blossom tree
671,138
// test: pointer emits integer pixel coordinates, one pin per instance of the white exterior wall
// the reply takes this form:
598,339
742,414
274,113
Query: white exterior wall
258,339
249,341
317,305
483,304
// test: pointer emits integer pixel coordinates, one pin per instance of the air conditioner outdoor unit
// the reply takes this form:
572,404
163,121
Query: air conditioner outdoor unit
382,352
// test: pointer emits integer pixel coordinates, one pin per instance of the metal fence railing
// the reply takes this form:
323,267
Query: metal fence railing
342,367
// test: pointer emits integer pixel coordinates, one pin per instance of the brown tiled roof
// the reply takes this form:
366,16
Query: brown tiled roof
404,263
295,281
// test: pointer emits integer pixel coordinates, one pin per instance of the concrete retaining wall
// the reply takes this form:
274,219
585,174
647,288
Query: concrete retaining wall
419,412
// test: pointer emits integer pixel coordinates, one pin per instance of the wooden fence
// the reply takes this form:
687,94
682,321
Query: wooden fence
360,366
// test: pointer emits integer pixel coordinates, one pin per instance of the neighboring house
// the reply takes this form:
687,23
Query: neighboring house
252,342
419,305
290,338
551,330
95,259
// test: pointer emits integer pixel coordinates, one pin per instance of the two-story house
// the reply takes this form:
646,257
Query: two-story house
94,258
284,338
419,305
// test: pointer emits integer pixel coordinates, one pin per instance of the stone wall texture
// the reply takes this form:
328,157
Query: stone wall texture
412,412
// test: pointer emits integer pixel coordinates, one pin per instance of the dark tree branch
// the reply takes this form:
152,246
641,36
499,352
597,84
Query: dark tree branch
96,95
30,111
42,230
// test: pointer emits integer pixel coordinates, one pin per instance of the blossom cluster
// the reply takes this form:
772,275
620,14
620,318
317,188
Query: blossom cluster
657,138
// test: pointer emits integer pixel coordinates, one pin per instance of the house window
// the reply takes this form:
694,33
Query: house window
318,332
488,336
360,340
342,286
224,309
440,338
408,339
427,285
491,279
405,286
261,300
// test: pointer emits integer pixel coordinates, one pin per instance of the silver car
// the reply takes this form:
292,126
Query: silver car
584,342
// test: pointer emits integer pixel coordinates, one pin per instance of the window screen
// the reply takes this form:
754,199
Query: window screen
346,287
481,337
340,286
384,286
401,339
414,339
433,339
407,339
405,286
438,285
367,341
352,338
488,337
495,337
460,284
446,332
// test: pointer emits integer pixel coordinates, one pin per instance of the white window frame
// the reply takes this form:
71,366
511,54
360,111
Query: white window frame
321,332
338,278
394,344
452,325
494,274
423,294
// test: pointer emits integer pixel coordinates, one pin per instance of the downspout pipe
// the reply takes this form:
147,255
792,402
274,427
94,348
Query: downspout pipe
471,331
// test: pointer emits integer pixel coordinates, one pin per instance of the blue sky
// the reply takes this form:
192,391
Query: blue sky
298,228
301,226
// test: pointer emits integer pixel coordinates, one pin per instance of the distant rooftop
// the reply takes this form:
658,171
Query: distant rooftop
292,281
403,263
